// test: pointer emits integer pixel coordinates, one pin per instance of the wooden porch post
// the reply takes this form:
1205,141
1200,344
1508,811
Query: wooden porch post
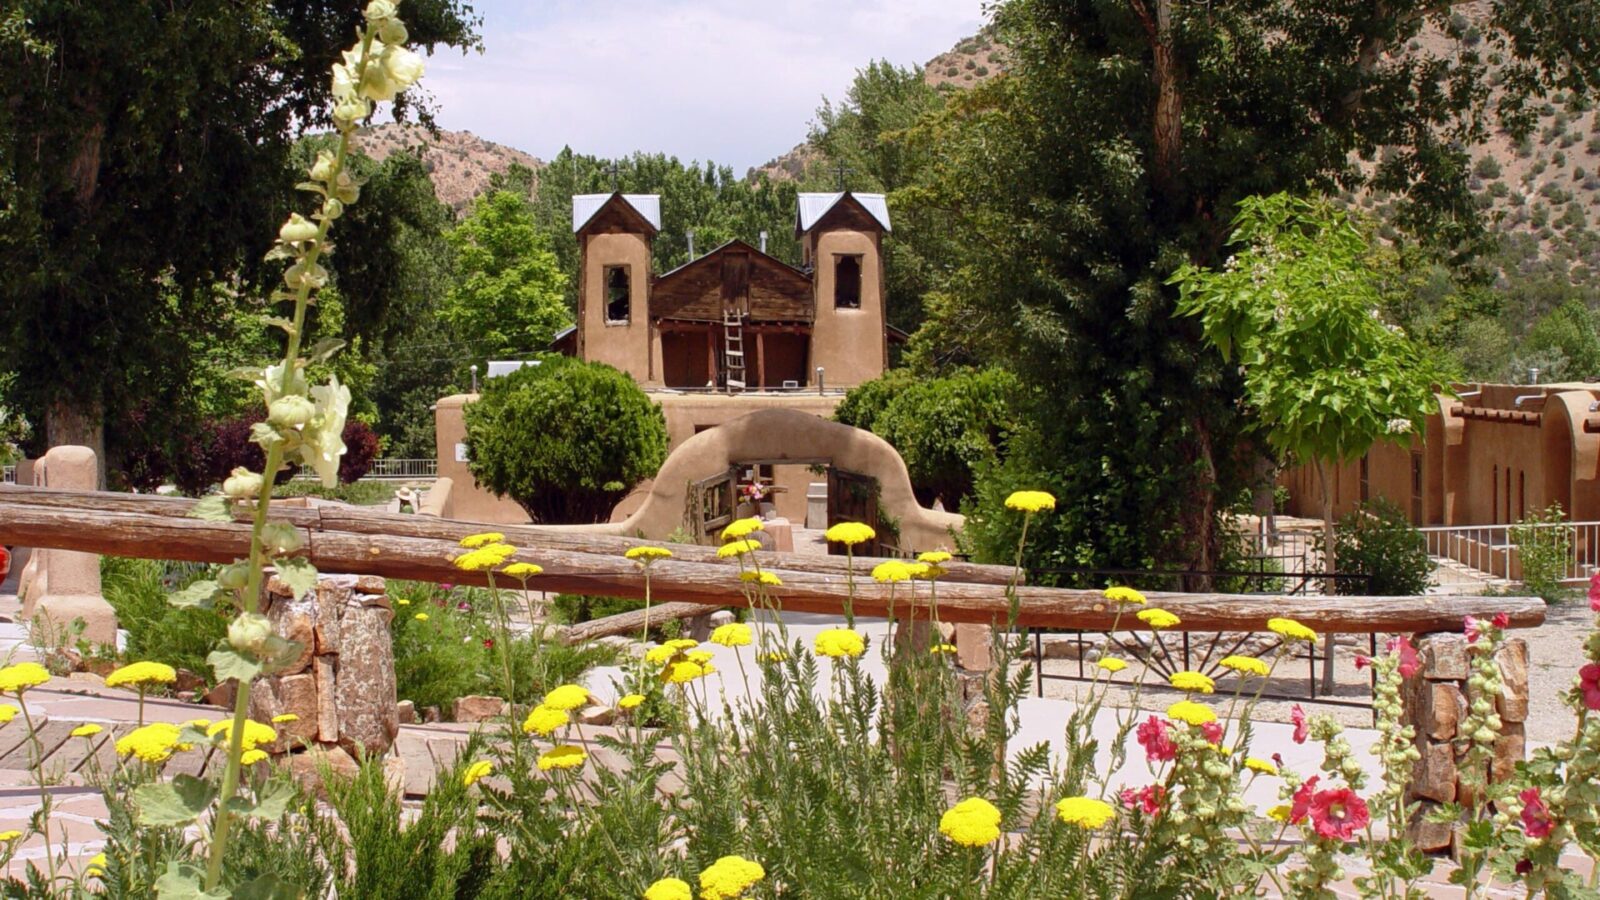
711,356
761,360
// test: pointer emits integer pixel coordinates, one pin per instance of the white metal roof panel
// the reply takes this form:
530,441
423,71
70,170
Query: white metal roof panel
814,206
584,207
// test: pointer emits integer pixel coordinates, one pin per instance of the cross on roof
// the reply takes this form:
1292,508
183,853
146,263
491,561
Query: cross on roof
843,171
614,171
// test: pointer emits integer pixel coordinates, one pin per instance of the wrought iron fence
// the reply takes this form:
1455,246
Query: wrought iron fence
1492,550
1162,653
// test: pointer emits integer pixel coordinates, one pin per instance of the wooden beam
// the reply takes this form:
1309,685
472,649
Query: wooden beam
718,584
632,622
533,538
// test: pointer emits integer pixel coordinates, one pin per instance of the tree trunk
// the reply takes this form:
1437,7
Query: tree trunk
68,423
1168,124
1330,564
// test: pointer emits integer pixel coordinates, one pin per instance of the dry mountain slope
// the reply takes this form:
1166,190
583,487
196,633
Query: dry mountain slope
459,162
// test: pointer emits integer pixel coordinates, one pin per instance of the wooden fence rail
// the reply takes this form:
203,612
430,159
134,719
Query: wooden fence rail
128,525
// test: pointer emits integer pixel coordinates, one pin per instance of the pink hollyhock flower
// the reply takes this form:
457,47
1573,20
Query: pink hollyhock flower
1536,821
1502,620
1338,814
1151,797
1300,804
446,586
1589,684
1362,662
1594,592
1472,625
1212,731
1129,797
1410,663
1156,740
1302,728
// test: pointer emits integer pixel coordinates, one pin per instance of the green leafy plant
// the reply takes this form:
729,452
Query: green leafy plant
611,437
1544,544
1379,542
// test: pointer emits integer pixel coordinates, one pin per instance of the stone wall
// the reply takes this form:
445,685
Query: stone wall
1435,703
341,686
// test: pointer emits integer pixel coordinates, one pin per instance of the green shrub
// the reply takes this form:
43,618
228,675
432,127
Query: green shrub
137,589
565,439
1544,548
1378,541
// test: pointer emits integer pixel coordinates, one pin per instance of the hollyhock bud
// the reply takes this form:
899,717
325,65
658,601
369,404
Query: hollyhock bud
345,188
393,31
242,484
297,229
378,10
301,275
322,169
402,67
332,208
249,632
291,411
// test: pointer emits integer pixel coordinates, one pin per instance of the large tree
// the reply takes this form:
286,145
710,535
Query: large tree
1117,149
143,148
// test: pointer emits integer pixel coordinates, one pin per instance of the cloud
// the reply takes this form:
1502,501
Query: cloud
737,82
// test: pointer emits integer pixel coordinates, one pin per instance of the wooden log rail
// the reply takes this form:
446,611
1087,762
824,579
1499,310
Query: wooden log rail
533,538
122,528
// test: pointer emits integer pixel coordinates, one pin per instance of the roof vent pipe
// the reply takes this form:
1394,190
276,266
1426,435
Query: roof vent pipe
763,241
690,234
1533,375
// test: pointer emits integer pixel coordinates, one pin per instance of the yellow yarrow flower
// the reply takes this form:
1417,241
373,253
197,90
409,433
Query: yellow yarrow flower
733,634
1157,618
255,733
1124,595
837,642
542,720
96,867
88,730
974,822
1280,812
775,656
737,548
669,889
698,657
1111,664
567,697
729,877
682,643
646,555
565,756
684,671
942,648
1192,682
1290,629
142,673
523,570
285,719
1031,501
8,712
251,757
1191,712
659,656
153,743
9,836
18,678
476,772
473,541
891,572
1255,764
850,533
766,578
740,528
1085,812
421,617
630,701
402,601
484,558
1244,665
934,557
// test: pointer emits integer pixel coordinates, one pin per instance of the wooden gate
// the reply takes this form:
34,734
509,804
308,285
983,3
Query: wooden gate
853,497
711,505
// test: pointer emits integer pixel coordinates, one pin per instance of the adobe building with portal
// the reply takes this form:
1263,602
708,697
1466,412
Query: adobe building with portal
729,333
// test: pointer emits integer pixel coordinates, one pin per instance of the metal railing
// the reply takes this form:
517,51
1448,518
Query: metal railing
8,475
389,470
1164,653
1493,549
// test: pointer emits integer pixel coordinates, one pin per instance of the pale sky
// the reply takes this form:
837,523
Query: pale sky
735,81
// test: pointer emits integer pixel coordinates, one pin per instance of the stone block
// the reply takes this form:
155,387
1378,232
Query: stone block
312,767
478,708
1434,774
1444,656
1512,658
697,627
1434,708
597,715
287,695
332,596
406,712
294,619
368,721
972,648
371,584
722,617
1510,748
325,668
1429,837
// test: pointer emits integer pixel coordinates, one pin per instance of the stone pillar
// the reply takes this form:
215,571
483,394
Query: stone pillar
1435,703
341,685
60,586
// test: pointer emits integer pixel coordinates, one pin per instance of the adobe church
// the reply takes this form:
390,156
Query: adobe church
735,319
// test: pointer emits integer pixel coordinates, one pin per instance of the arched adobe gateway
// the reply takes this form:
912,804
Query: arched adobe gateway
783,436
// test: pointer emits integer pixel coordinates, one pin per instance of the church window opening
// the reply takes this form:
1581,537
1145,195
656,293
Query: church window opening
847,282
619,294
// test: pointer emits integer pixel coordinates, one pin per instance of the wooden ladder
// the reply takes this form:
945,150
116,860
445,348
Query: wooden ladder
733,349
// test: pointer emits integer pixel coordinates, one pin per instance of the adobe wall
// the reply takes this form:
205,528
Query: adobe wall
849,344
